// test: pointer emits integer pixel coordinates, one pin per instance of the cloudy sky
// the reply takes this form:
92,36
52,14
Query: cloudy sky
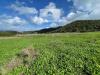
27,15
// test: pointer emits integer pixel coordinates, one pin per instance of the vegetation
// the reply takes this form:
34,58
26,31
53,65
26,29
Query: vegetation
58,54
77,26
8,33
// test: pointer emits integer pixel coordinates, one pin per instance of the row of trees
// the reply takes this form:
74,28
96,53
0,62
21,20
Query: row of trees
8,33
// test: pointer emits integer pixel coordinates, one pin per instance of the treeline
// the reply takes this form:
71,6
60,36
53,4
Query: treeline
8,33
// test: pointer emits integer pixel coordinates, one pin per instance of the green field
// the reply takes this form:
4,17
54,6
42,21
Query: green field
58,54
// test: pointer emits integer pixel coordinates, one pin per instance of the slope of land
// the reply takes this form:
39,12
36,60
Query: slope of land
77,26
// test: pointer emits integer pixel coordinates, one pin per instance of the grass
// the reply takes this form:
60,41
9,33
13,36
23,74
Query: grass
59,54
9,47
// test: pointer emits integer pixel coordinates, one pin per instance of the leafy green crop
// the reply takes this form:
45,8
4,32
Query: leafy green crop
59,54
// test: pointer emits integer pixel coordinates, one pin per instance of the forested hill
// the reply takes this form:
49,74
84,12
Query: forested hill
77,26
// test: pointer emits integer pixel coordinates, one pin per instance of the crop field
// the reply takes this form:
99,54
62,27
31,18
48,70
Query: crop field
55,54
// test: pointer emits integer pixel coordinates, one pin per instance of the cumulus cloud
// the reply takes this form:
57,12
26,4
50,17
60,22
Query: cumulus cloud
24,9
83,4
53,25
49,14
38,20
12,22
85,9
53,14
51,11
71,15
9,20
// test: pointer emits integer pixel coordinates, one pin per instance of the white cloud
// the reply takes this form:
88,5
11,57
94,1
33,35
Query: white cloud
62,20
38,20
86,9
51,11
71,15
49,14
53,25
24,9
9,20
83,4
12,22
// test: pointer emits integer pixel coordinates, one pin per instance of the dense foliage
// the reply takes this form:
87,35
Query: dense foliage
8,33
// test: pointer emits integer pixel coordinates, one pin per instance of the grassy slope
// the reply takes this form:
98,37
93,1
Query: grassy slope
59,54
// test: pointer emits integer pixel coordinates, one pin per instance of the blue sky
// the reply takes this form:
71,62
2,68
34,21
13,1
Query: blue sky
28,15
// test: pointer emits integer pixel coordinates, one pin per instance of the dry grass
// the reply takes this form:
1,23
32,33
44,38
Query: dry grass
23,58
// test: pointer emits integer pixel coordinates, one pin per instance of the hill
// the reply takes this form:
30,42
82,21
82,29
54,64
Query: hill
77,26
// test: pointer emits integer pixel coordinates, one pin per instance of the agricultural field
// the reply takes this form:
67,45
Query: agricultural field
56,54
